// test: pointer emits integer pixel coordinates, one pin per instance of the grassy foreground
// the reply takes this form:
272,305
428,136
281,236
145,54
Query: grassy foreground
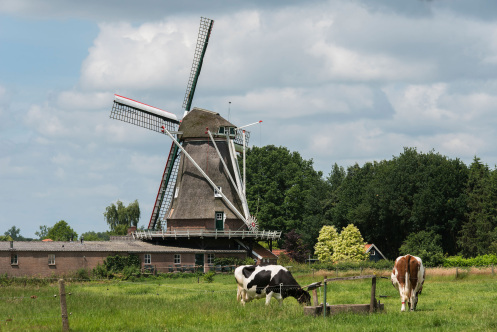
468,303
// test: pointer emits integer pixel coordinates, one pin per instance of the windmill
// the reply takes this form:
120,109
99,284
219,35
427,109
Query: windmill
202,189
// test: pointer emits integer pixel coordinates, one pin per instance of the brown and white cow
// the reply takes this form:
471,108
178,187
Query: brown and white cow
408,276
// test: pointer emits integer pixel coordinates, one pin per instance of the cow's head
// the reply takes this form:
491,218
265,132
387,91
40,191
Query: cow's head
304,297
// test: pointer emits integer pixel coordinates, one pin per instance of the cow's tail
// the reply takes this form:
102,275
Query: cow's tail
407,283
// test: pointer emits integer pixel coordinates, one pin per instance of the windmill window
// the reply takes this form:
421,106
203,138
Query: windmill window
170,214
176,192
13,259
51,259
232,131
221,131
217,192
210,258
177,258
147,259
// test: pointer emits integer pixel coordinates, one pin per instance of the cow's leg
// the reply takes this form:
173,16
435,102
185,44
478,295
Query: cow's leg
414,301
239,293
403,298
268,297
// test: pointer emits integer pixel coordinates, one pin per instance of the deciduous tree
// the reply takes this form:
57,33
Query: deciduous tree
324,247
120,218
61,231
349,245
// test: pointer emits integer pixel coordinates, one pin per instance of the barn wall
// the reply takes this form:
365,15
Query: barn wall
32,263
35,264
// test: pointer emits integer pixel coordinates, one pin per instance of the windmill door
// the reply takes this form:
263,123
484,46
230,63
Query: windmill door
219,221
199,259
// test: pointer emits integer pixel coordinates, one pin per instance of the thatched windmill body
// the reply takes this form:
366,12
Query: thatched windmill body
202,191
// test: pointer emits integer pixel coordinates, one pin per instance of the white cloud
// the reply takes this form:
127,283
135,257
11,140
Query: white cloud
77,100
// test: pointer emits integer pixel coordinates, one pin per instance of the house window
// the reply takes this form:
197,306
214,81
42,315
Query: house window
177,259
13,259
210,258
147,259
51,259
217,192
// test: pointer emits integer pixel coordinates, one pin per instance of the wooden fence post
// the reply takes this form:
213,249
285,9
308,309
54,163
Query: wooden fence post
373,295
63,305
457,272
324,298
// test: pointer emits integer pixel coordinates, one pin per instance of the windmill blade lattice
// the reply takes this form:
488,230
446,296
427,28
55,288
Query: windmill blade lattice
166,188
142,115
204,33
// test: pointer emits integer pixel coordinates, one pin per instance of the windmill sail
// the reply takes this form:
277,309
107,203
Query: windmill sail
166,188
204,33
143,115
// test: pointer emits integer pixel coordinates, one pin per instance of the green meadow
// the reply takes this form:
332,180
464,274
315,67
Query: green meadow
466,303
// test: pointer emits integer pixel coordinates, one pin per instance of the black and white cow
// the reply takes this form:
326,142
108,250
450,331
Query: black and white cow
256,282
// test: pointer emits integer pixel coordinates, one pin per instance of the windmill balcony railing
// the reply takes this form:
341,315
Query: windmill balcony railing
207,233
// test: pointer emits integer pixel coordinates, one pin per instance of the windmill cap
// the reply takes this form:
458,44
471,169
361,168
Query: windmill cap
194,124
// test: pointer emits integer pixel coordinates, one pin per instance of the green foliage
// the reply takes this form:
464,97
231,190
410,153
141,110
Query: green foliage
225,261
42,233
100,272
82,274
324,247
117,263
284,191
459,261
283,259
387,200
95,236
209,276
425,245
61,231
120,218
478,232
5,238
349,245
15,234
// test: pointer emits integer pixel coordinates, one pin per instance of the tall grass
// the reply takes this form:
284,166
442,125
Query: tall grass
446,304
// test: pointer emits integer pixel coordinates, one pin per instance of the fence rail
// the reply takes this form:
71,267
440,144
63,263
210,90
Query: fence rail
187,233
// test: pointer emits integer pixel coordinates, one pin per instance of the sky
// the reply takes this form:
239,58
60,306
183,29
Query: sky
339,81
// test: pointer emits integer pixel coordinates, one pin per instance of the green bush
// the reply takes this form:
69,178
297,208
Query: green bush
82,274
349,265
209,276
459,261
225,261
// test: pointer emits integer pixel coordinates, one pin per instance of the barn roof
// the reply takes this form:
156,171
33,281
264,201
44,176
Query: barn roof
101,246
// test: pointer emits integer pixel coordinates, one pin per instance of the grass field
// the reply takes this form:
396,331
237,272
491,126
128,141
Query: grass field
468,303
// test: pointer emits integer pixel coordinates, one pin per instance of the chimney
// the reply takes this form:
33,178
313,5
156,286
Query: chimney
81,239
11,244
131,230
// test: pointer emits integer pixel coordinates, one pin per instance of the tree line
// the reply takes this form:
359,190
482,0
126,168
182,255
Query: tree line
117,216
414,200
